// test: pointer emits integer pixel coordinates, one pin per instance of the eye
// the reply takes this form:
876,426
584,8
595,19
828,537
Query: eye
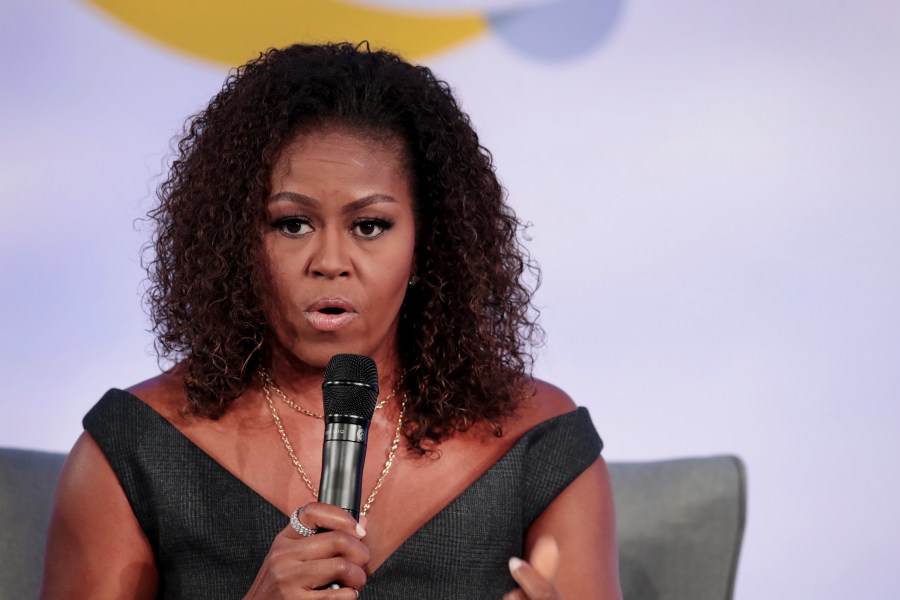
371,228
293,226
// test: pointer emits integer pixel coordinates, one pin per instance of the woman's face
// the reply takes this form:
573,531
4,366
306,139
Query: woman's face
339,242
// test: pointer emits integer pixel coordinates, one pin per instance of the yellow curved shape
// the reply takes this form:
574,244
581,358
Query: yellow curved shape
233,31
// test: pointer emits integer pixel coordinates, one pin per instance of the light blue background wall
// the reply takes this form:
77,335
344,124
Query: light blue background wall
715,194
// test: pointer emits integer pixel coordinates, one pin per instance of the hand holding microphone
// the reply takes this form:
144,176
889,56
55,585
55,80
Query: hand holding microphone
297,565
322,547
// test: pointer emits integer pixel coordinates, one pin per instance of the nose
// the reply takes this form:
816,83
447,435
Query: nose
330,255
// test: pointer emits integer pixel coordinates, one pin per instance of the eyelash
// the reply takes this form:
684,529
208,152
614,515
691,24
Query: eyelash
383,224
280,225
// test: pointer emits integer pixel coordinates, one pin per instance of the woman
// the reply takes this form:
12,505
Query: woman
335,200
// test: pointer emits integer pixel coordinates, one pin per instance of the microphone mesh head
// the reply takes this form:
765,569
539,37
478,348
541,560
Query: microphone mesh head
350,386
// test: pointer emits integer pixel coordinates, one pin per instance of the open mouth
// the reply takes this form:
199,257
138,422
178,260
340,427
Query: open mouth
330,314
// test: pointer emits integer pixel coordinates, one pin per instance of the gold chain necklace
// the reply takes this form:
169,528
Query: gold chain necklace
290,449
267,381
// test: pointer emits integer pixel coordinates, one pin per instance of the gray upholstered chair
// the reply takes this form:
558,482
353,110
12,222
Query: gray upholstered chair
680,524
27,481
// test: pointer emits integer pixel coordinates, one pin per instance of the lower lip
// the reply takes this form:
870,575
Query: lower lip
326,322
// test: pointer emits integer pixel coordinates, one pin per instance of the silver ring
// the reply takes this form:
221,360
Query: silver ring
300,527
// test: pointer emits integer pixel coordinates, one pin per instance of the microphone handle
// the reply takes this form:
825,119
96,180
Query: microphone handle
343,458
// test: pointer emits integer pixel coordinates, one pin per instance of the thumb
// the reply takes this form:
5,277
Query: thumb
545,557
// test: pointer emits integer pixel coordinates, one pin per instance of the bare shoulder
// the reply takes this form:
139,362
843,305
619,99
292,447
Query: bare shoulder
163,393
552,400
93,531
543,402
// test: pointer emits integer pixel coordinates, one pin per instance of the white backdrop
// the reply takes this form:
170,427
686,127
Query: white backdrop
714,192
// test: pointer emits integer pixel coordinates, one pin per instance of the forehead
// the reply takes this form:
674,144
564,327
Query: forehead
336,169
340,150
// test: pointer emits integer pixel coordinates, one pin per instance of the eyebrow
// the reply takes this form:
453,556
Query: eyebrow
351,207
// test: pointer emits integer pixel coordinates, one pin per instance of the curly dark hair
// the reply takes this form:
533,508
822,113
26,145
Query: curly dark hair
467,339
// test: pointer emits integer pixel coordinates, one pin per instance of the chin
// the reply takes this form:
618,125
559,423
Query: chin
316,348
317,354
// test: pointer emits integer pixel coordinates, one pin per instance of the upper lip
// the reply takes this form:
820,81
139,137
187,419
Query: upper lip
323,303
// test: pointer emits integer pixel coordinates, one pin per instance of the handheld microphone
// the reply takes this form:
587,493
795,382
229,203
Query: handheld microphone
349,393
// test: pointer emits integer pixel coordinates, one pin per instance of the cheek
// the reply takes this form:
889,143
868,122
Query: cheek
283,264
393,277
276,289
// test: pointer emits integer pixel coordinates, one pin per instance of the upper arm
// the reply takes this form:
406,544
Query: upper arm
582,521
95,546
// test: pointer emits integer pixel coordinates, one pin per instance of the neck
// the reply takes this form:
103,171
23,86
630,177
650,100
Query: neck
302,382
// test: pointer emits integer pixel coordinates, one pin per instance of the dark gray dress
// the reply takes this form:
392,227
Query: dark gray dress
210,532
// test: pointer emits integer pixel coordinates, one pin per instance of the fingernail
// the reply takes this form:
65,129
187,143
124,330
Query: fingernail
360,531
515,564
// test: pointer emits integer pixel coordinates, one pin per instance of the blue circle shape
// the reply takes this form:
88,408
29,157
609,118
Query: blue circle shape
557,30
